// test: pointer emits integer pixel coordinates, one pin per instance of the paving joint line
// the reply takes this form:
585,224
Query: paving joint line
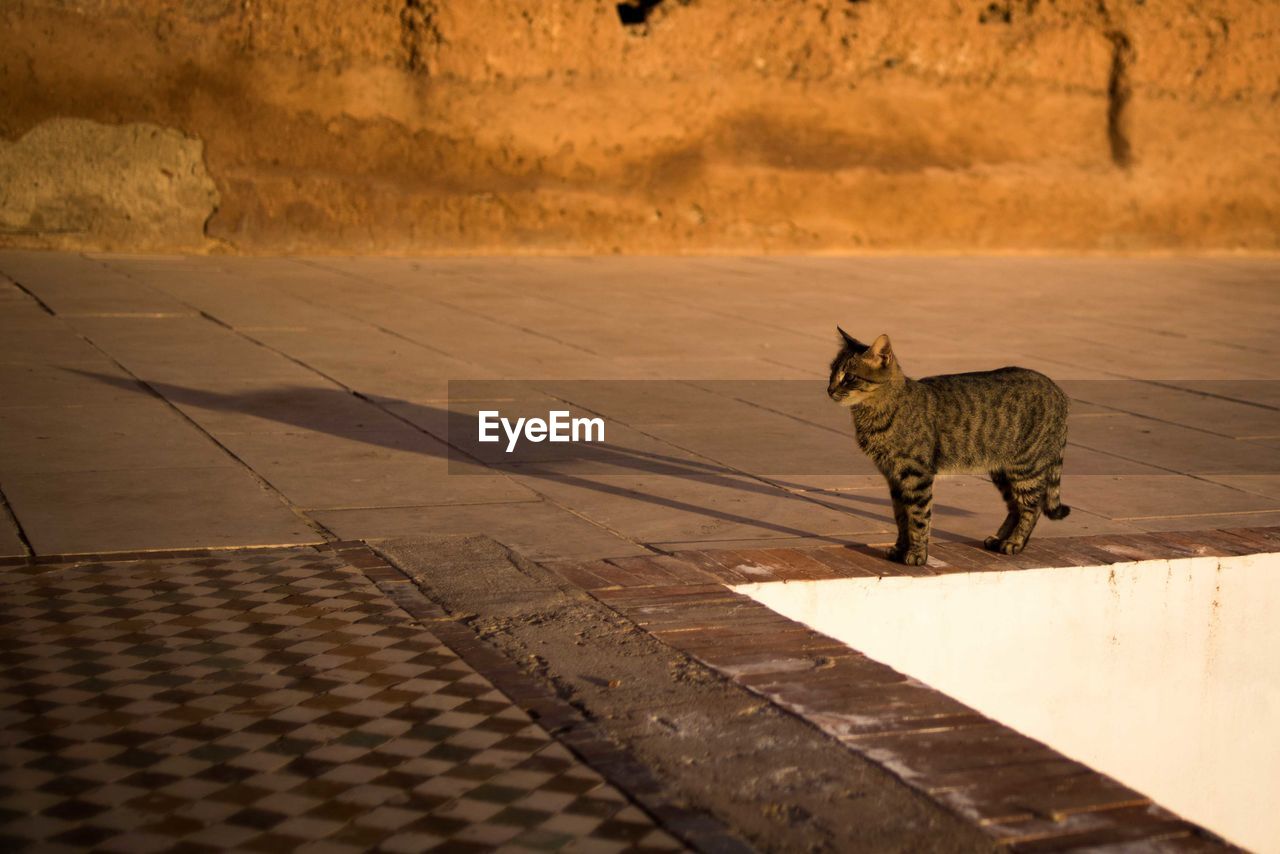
417,505
1202,393
1158,419
763,408
44,306
562,721
1196,515
1203,478
6,509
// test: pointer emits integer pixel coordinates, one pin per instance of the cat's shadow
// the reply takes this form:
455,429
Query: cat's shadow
332,411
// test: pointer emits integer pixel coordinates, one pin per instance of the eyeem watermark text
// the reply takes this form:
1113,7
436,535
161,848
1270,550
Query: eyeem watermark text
557,427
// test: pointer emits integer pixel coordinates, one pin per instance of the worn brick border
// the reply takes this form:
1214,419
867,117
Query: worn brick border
1025,795
563,722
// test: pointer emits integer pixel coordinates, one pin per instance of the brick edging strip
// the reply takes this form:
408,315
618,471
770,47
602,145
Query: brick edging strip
562,721
1022,793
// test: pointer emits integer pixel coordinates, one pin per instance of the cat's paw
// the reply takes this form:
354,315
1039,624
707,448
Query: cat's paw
1004,547
906,556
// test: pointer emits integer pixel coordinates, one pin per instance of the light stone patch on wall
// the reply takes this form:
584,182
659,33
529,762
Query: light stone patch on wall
76,184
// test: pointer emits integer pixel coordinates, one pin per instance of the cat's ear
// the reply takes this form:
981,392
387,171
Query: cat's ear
851,342
880,353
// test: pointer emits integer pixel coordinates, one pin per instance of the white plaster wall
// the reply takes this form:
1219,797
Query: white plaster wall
1163,674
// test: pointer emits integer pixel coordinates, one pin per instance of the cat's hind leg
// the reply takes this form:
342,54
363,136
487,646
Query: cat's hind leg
1002,482
1029,496
1053,506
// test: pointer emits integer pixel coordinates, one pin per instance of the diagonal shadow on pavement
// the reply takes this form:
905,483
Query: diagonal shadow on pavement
309,409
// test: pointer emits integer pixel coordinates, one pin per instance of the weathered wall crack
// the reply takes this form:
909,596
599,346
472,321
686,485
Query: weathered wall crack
1119,93
419,33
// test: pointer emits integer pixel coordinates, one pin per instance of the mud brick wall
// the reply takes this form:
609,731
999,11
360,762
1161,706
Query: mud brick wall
650,126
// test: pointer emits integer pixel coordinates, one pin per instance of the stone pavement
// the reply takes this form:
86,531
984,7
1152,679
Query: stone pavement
172,402
265,694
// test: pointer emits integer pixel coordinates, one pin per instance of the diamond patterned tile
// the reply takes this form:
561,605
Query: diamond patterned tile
268,702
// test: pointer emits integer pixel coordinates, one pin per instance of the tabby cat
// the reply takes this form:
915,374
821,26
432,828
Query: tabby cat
1010,423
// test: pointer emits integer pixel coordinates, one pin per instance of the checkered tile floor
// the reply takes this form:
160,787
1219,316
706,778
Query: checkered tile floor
268,703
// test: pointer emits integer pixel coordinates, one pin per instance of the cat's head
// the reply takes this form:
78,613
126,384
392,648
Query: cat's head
860,371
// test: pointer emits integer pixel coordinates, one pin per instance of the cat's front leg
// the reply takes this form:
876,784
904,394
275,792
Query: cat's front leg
903,544
912,491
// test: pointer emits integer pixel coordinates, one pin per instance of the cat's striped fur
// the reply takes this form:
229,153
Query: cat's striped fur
1010,423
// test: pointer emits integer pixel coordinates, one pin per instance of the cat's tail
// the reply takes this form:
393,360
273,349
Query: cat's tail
1053,506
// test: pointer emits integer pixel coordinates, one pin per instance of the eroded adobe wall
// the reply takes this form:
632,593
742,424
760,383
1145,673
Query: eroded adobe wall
680,125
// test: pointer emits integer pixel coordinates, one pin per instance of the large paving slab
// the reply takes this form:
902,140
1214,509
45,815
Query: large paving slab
1208,520
1132,497
1258,484
1258,392
1208,410
372,361
397,468
540,530
238,300
71,284
254,405
655,508
92,384
145,433
1172,446
87,512
184,349
1080,461
41,340
970,508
